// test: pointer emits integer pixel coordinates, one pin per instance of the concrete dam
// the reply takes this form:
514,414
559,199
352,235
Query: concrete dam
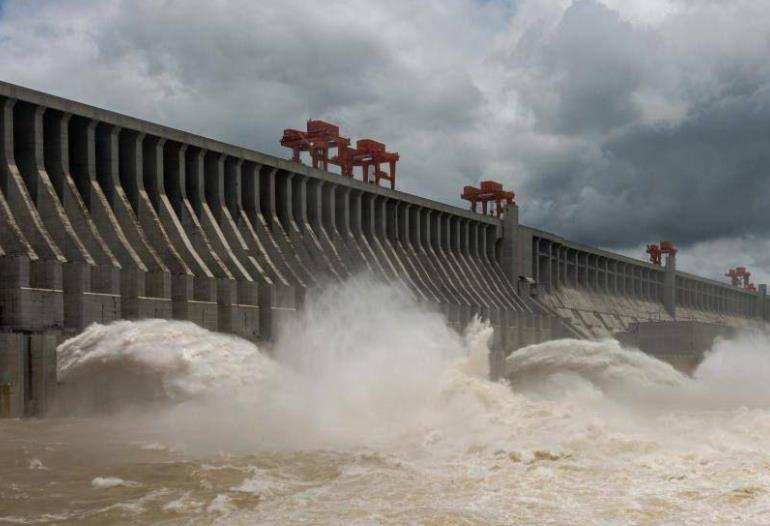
106,217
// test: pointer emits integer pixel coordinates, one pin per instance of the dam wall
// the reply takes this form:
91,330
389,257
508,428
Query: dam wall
106,217
602,294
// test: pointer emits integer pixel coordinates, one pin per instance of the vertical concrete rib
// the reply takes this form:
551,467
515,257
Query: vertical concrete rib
252,205
473,292
468,252
195,182
92,161
439,249
229,197
461,301
12,240
247,266
393,242
153,178
402,246
417,252
131,176
195,188
273,204
369,222
341,196
327,216
195,293
408,255
238,175
285,207
21,205
428,258
202,307
386,233
317,203
489,270
157,281
299,211
25,305
277,299
245,316
464,272
29,155
358,229
80,274
106,276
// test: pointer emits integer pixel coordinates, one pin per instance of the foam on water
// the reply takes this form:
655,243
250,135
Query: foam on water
111,482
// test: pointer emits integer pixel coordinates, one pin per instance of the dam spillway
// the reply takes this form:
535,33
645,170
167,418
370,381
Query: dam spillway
106,217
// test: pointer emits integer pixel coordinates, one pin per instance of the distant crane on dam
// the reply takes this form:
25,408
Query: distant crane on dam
656,251
488,193
741,278
321,138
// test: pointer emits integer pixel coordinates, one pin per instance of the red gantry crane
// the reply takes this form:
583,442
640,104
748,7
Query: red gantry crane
656,251
319,138
322,137
488,192
655,254
741,278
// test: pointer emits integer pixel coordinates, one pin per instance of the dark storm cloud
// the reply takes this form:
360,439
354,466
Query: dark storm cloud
701,175
592,64
706,177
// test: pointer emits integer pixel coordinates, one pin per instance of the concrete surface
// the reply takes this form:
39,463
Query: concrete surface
105,217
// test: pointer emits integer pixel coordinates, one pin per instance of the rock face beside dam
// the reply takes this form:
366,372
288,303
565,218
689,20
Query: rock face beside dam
106,217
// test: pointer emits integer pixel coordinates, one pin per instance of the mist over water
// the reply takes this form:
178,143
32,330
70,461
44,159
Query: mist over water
369,409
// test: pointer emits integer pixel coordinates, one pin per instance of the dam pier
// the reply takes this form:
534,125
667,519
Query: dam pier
106,217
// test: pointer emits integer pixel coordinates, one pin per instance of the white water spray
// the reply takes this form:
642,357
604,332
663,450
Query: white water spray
370,409
364,364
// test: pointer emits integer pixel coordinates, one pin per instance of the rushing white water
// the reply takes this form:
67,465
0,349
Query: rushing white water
158,359
371,410
362,363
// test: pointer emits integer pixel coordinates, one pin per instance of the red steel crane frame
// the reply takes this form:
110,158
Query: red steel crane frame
656,255
741,278
321,137
656,251
489,192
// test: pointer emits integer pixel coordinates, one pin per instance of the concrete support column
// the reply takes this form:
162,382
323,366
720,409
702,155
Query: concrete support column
131,175
105,276
669,286
510,251
21,205
111,205
27,373
761,302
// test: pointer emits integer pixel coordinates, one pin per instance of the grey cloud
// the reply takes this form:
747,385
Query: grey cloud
701,176
611,131
591,66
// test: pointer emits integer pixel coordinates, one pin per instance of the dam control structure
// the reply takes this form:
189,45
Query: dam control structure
106,217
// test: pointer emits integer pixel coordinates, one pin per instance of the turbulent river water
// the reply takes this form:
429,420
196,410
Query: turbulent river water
371,410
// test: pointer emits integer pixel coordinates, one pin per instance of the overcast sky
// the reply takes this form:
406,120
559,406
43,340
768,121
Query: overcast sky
616,122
